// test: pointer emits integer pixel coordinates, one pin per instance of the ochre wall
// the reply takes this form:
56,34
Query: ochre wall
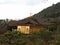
27,29
35,28
23,29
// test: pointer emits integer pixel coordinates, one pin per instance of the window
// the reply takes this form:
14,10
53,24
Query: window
27,27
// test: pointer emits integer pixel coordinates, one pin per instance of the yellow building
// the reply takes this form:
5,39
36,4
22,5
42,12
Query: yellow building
24,26
28,28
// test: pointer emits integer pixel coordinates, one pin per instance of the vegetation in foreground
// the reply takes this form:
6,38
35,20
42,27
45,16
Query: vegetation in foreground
44,37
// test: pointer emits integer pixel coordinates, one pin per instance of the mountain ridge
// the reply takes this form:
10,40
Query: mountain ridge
47,15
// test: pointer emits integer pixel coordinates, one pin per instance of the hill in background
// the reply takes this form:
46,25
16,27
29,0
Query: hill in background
47,16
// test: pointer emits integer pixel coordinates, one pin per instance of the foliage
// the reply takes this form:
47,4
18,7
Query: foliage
43,37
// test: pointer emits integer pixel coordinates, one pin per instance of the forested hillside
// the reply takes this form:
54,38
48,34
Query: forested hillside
46,16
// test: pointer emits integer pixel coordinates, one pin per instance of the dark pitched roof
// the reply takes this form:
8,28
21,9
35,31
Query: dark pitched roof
27,21
13,23
2,21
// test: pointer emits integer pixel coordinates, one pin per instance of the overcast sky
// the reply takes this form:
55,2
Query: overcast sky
19,9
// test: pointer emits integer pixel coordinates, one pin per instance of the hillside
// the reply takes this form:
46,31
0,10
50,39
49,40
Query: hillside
47,16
